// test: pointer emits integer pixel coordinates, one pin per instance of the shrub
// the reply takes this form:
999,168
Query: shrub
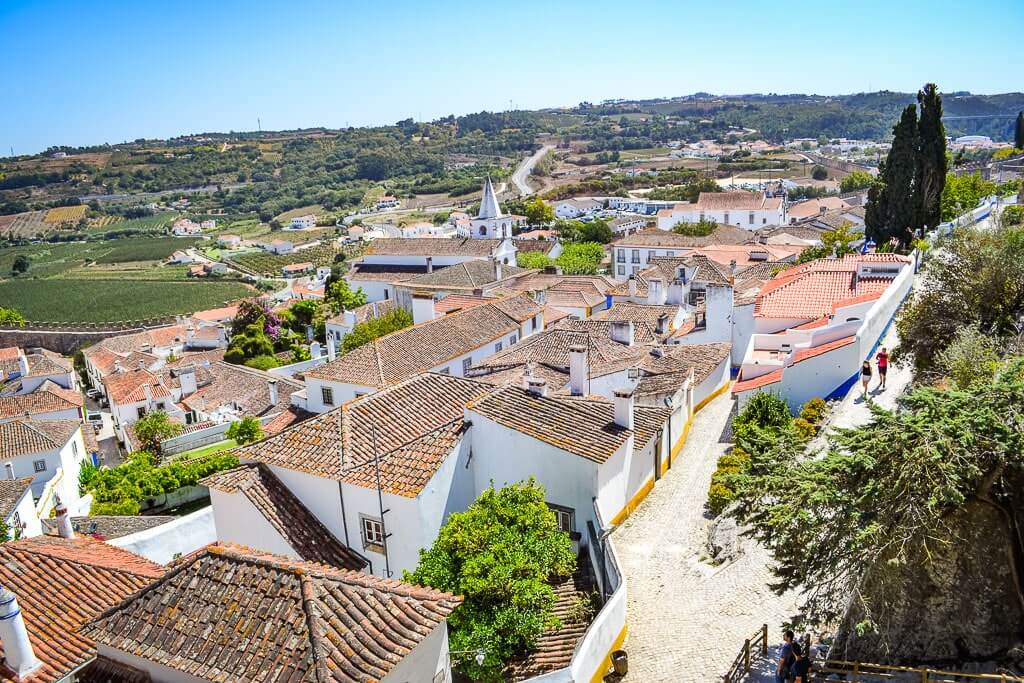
814,411
262,362
701,228
764,410
719,497
805,429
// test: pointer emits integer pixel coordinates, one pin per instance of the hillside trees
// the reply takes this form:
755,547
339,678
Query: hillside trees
858,180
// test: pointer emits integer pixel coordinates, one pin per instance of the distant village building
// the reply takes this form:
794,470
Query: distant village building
303,222
747,210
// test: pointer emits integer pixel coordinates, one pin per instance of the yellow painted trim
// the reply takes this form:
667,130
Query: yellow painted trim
606,663
678,445
708,399
641,493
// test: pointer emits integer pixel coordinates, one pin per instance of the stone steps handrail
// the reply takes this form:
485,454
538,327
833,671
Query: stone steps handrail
753,647
867,671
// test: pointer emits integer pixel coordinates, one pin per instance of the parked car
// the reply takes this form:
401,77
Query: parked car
95,418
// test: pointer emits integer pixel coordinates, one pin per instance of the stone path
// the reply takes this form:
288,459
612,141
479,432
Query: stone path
688,619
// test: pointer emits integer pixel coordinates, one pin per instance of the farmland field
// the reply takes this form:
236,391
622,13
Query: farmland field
143,248
65,214
63,300
24,225
265,263
155,223
314,209
48,260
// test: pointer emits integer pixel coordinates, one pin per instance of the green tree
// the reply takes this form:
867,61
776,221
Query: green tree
21,265
539,212
499,555
832,242
596,230
533,259
581,258
702,228
980,276
1018,131
246,430
883,507
900,179
932,158
962,193
153,429
858,180
819,172
11,316
971,358
253,342
368,330
340,297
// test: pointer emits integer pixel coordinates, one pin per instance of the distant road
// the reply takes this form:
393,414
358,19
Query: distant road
525,168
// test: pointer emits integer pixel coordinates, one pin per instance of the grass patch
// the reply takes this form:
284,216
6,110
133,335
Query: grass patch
206,450
67,300
287,216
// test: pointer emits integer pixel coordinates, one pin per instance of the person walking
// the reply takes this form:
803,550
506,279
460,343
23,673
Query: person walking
865,377
785,658
882,358
801,669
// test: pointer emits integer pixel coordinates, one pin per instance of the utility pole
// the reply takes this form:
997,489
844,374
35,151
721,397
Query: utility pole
259,125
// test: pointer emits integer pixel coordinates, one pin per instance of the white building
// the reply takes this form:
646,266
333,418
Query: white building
450,345
339,326
22,371
576,208
814,324
180,257
48,401
746,210
230,241
51,452
185,227
632,253
490,221
303,222
18,509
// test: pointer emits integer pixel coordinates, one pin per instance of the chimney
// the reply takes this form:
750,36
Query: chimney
632,285
18,654
497,269
662,324
191,335
540,296
309,333
148,391
350,319
577,370
527,375
23,363
624,408
674,296
187,380
142,364
331,348
622,332
537,386
422,307
732,265
10,470
655,291
430,264
272,388
64,528
314,349
222,339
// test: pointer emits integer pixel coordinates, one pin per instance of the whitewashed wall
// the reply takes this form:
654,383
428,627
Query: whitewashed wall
177,538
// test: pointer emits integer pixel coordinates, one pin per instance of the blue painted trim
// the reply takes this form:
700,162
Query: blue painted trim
7,602
839,392
11,615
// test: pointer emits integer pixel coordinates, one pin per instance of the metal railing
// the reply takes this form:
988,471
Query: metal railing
753,647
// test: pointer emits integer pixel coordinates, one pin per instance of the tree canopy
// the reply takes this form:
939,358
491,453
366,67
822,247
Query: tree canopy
246,430
11,316
155,428
368,330
499,554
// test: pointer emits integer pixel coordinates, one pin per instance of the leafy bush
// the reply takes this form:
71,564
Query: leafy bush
764,410
364,332
261,362
701,228
246,430
814,411
804,429
533,259
719,497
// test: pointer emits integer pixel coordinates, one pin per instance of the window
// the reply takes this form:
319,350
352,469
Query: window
467,363
483,230
669,253
497,347
17,520
513,339
622,270
566,518
373,533
141,412
444,371
533,324
763,221
74,448
726,217
636,269
702,215
621,258
39,465
636,256
327,396
160,405
751,217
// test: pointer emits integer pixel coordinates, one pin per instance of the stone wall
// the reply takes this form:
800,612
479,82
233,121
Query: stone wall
68,338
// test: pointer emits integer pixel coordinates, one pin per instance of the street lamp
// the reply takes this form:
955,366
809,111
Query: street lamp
478,655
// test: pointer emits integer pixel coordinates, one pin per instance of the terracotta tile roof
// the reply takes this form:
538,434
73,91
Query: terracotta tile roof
642,333
552,315
171,335
61,584
108,527
128,387
331,443
756,383
228,613
804,354
702,358
406,352
458,302
431,246
286,418
556,646
9,353
813,289
103,670
813,207
11,493
43,362
654,237
666,268
803,231
299,527
48,398
383,272
241,386
528,244
639,313
582,426
749,254
466,275
27,436
764,270
716,201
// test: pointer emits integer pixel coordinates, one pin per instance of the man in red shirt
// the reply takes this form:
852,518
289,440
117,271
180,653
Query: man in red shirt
883,364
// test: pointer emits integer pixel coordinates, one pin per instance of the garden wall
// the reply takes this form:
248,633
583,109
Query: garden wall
69,337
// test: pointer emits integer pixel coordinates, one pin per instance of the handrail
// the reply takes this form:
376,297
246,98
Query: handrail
756,644
853,671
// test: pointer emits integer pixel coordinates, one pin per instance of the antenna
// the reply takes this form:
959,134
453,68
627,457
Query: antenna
259,125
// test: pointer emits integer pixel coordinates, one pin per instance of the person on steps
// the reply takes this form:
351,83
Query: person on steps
865,377
882,358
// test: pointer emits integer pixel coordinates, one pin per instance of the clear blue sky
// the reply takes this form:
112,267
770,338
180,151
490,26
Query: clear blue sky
84,72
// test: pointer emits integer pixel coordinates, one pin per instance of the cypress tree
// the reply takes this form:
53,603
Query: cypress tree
932,162
1018,131
876,212
902,174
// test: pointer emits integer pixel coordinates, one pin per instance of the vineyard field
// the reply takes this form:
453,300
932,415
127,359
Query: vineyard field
66,214
143,248
155,223
95,301
265,263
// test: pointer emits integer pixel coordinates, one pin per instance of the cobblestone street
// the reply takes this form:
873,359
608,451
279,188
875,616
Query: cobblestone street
688,619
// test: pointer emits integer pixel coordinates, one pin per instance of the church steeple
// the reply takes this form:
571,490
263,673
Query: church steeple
489,203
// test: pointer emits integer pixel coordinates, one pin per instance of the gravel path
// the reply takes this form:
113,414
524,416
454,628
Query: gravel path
688,619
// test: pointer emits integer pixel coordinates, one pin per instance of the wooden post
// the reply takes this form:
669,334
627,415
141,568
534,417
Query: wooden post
746,656
924,675
856,672
764,640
